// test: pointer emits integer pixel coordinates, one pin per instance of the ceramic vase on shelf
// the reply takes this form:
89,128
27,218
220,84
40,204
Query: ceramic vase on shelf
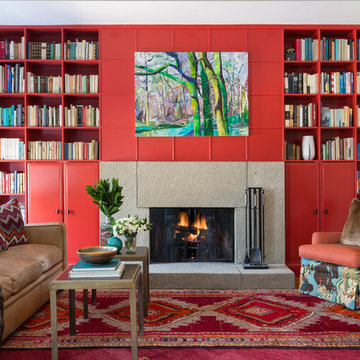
116,242
130,243
308,147
106,231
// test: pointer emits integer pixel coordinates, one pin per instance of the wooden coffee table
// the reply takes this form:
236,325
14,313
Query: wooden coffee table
141,255
130,280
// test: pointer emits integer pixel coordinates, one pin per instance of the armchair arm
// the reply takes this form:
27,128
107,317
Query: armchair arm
49,233
325,237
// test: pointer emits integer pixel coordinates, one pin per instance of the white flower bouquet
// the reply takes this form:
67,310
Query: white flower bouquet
129,227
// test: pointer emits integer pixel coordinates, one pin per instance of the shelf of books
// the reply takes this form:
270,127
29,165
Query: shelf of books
322,94
49,100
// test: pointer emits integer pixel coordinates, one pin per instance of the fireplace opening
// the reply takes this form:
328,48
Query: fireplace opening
192,235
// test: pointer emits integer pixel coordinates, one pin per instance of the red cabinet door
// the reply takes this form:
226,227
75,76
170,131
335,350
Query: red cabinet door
45,197
81,214
301,208
337,190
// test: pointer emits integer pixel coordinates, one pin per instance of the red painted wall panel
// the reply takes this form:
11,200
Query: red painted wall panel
117,76
192,149
336,194
264,45
265,79
118,110
45,197
229,149
228,40
155,148
192,39
301,208
82,222
118,144
155,39
117,43
265,145
265,112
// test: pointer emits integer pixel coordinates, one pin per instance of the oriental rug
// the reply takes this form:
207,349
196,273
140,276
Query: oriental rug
199,318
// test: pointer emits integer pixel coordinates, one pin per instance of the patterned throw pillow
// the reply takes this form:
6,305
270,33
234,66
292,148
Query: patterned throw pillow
351,231
12,230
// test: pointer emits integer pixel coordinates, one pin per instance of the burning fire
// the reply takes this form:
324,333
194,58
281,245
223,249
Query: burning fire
199,222
198,225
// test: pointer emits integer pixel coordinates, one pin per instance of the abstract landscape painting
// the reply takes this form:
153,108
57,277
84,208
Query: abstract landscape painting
191,94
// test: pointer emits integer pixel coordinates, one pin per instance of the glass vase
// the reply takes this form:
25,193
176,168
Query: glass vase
106,231
130,243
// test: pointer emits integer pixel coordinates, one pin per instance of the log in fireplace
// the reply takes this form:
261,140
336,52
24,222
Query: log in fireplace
192,235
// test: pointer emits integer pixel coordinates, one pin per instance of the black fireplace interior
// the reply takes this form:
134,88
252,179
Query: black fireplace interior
192,235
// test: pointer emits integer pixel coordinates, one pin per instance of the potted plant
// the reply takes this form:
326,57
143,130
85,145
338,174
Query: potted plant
108,196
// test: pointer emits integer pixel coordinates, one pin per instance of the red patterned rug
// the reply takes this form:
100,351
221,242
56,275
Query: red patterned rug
199,318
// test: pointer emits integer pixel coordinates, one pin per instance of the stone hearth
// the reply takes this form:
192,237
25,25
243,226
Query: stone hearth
209,184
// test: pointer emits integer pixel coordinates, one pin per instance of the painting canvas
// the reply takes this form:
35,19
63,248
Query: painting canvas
191,94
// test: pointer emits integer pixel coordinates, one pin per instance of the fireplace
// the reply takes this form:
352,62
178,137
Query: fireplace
208,184
192,235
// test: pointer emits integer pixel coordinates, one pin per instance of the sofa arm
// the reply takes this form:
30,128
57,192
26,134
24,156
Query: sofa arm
49,233
325,237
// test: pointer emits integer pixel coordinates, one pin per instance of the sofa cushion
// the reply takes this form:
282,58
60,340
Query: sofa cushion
47,255
21,271
12,230
351,231
340,254
6,286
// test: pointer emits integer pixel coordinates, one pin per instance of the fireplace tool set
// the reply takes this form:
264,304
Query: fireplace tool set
254,228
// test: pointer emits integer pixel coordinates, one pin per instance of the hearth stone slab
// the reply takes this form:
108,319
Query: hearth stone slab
278,276
219,276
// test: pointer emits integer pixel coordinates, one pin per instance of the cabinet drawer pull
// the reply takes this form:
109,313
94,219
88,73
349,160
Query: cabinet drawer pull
68,211
316,211
57,211
325,211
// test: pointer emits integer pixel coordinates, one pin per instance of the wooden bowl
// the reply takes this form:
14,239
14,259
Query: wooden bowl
97,254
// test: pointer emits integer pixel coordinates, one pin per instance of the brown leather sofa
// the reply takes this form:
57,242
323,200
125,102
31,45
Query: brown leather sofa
26,271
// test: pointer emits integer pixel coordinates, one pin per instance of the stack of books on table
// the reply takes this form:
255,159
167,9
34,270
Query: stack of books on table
111,270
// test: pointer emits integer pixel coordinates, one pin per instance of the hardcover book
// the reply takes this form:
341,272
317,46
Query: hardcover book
111,270
84,266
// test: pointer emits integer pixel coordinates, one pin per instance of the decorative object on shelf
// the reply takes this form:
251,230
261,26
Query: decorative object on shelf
129,227
115,242
97,254
108,196
290,54
308,147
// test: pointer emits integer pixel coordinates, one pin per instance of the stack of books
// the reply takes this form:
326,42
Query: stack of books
111,270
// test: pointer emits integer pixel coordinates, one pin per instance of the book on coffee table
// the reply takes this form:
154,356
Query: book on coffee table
112,270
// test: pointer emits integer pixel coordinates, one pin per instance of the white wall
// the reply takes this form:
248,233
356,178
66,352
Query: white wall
178,12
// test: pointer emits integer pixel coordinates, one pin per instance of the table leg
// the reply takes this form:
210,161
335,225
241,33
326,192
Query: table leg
134,348
140,304
146,285
53,320
72,316
86,303
93,296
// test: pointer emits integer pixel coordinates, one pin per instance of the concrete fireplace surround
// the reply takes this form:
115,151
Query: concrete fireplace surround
208,184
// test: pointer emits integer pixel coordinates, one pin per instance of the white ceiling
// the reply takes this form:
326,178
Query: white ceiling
178,12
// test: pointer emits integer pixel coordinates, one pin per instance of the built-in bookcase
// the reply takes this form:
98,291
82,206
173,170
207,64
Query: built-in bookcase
328,108
41,120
